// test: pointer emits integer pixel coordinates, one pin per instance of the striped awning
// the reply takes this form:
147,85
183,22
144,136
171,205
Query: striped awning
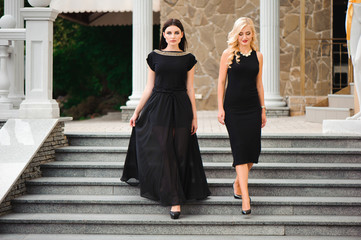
100,12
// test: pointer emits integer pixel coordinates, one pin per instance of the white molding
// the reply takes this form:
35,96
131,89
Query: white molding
13,34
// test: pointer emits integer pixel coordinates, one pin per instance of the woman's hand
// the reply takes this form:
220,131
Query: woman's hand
221,116
264,120
133,119
194,126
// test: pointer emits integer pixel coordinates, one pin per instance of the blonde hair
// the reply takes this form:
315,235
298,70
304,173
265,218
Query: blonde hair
233,45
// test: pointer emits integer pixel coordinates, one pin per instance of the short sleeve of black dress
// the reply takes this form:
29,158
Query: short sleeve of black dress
192,61
150,61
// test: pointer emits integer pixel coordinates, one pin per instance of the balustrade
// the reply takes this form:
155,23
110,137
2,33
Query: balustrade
38,102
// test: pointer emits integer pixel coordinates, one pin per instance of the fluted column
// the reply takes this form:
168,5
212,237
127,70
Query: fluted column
16,60
270,48
142,45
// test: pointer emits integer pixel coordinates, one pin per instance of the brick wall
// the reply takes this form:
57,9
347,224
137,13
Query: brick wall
45,154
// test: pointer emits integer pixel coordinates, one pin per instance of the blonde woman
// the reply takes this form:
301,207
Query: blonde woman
241,107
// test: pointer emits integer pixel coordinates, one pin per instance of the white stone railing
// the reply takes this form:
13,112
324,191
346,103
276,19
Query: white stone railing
37,102
6,48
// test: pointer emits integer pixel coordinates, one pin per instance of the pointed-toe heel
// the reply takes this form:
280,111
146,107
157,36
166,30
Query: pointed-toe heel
246,212
174,215
236,196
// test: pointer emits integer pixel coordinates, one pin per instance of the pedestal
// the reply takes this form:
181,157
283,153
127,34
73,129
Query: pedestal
39,102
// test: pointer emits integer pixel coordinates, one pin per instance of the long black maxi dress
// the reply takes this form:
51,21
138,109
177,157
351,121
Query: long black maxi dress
163,156
243,113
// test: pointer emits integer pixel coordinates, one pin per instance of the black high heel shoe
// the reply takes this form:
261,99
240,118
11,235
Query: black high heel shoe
174,215
247,212
236,196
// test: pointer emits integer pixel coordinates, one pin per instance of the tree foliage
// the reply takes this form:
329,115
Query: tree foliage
91,61
92,67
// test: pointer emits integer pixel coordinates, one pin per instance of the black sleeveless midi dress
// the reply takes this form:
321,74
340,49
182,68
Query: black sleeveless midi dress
163,157
243,113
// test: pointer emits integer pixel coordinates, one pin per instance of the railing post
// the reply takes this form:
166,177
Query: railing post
39,102
16,60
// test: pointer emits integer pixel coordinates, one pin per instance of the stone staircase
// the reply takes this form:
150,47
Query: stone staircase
340,106
305,187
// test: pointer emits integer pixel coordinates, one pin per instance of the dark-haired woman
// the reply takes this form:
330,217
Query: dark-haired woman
163,154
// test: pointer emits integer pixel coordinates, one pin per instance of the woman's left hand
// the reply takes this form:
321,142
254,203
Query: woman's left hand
194,126
264,120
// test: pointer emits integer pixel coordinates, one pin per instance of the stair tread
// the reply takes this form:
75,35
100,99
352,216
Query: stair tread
224,135
329,109
106,199
214,149
341,96
211,181
308,166
161,219
161,237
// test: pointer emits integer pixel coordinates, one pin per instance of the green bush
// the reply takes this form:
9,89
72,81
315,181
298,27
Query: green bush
92,67
91,62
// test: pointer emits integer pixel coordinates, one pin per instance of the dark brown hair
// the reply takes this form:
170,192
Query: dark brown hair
173,22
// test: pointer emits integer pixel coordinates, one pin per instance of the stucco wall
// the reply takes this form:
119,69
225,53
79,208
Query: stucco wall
207,23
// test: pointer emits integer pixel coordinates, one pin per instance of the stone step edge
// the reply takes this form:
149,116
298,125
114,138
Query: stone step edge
159,219
282,136
163,237
211,165
93,149
212,200
77,181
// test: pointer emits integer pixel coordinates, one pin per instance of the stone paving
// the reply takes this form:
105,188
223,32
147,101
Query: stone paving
207,123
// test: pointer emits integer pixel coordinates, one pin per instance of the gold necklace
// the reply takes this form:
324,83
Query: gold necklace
246,54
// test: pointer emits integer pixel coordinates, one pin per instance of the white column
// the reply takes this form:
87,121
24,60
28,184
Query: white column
16,60
142,46
39,102
270,48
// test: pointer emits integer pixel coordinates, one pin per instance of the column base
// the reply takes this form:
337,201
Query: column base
274,101
16,100
37,110
127,112
133,101
347,127
277,111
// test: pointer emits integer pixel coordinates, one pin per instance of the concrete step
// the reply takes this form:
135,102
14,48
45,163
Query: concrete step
341,101
318,114
311,155
213,170
163,237
214,205
222,140
218,187
152,224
